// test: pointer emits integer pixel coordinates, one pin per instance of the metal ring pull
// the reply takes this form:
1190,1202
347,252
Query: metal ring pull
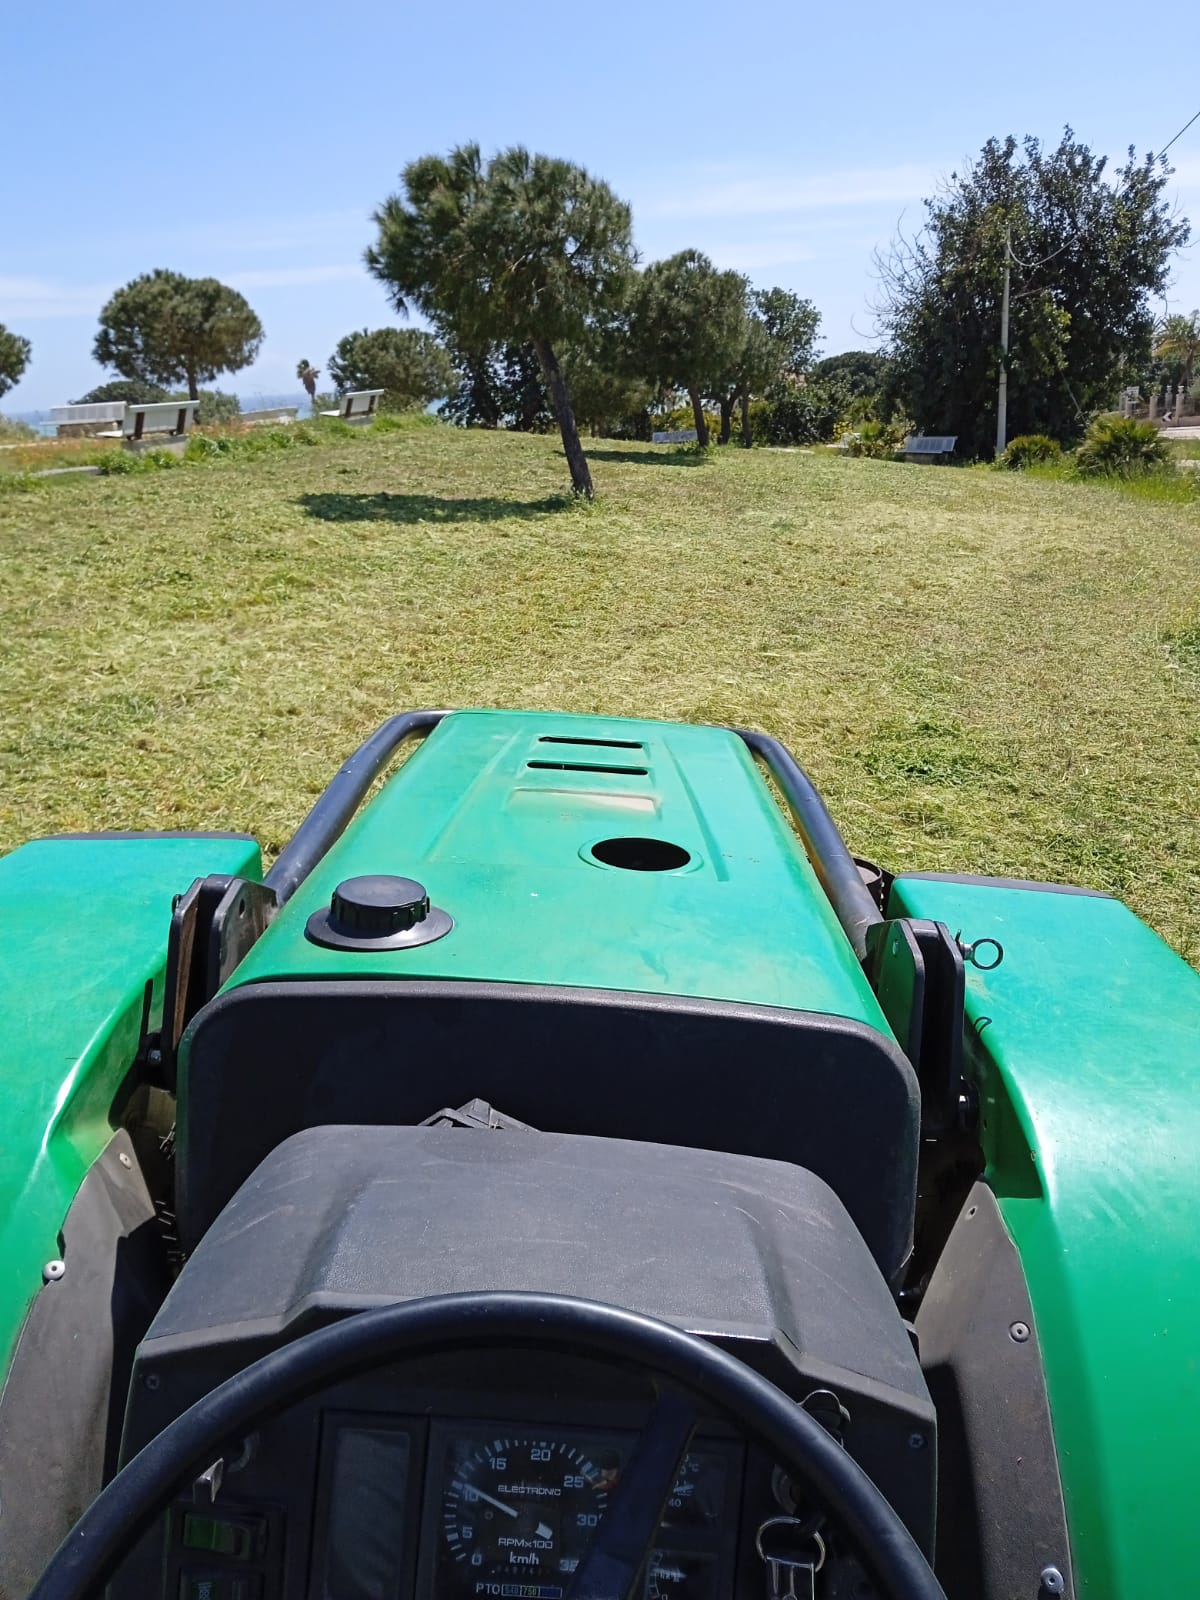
970,952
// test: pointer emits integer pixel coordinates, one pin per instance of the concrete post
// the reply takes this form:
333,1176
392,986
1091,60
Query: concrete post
1153,412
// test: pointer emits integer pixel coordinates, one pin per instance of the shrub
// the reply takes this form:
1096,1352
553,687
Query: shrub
1030,450
207,446
122,463
877,440
1122,447
12,431
19,483
263,441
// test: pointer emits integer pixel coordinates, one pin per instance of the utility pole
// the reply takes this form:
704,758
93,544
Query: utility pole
1002,398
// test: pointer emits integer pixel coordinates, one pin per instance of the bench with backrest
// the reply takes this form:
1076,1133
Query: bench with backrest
83,421
159,423
360,405
931,447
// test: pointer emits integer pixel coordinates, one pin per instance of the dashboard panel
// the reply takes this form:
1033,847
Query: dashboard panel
458,1508
480,1476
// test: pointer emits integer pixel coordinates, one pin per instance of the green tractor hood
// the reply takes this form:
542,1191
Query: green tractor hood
588,852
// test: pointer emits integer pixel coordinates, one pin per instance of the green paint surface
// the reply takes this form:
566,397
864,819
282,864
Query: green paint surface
1089,1079
83,930
495,814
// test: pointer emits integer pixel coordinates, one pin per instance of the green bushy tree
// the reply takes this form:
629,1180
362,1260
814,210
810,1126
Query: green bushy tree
688,328
1089,251
793,324
14,358
127,389
1177,346
499,386
756,363
412,367
862,373
522,249
163,328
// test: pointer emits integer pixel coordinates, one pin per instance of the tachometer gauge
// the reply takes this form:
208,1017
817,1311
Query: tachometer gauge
520,1514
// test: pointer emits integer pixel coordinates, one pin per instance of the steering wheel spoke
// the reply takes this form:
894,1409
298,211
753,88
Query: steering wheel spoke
611,1568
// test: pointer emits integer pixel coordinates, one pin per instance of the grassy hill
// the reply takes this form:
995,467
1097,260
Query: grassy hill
982,671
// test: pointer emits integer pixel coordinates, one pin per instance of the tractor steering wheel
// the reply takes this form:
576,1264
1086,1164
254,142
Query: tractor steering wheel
690,1377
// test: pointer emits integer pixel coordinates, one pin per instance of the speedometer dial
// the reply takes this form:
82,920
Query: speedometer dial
520,1513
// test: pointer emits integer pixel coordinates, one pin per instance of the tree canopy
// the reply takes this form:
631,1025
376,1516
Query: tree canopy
1177,345
14,358
500,386
411,367
163,328
862,372
522,249
792,323
128,389
1088,252
756,360
688,328
308,375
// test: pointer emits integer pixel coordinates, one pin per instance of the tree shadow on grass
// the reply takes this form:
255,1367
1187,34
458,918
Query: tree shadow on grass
651,456
415,508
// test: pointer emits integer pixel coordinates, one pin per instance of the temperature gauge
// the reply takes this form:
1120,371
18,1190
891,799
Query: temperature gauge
698,1498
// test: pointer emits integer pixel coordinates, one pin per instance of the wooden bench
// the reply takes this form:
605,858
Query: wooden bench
161,425
674,436
274,414
930,448
82,422
358,406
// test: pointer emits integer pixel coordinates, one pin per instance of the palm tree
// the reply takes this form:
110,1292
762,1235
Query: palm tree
308,376
1179,343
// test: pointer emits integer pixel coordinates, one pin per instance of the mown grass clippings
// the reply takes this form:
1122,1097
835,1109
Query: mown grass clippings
984,672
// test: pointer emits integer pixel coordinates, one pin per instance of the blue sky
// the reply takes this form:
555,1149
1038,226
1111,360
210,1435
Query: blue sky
252,141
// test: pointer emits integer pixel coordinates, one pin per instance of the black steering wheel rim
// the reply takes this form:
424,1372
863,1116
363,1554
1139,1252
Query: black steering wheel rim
143,1489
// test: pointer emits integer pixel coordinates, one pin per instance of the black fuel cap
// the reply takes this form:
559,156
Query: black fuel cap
378,912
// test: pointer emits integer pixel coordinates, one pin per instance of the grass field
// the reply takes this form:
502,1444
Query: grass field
982,671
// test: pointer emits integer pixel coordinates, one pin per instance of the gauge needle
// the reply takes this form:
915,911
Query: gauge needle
469,1488
543,1532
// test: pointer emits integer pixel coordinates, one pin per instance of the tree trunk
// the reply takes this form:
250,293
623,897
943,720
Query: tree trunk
581,475
726,418
698,414
746,440
193,390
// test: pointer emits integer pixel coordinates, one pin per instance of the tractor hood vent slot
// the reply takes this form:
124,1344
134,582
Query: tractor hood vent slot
584,766
605,744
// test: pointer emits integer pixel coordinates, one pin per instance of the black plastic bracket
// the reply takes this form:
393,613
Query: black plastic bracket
916,970
213,925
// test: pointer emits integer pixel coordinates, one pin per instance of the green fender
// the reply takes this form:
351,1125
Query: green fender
1088,1068
84,923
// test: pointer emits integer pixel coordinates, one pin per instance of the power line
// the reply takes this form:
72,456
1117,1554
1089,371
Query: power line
1179,135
